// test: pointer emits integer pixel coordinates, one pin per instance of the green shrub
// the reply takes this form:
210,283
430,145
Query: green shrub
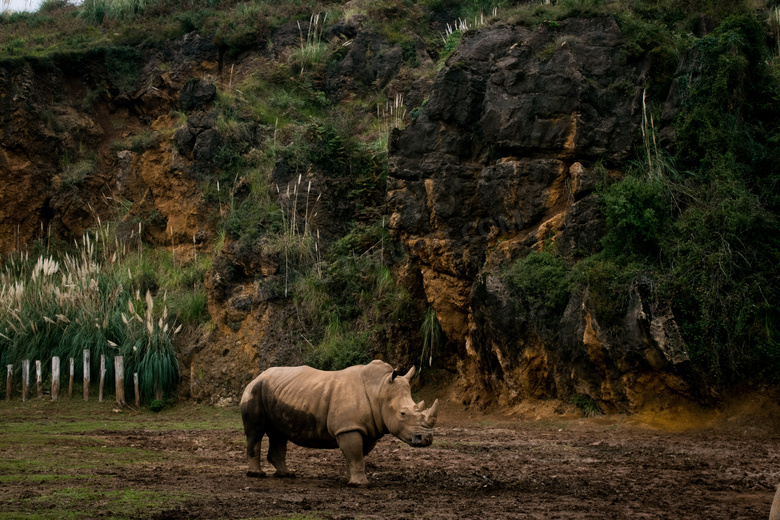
451,42
349,300
637,211
156,405
339,348
541,283
49,6
94,11
609,281
97,11
586,404
74,175
705,237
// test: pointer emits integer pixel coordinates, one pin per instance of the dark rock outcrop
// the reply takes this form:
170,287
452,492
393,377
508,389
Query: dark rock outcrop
196,93
370,62
501,161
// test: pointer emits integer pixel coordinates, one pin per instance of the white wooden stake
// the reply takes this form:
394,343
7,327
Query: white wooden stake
86,375
72,375
102,376
119,379
9,382
137,392
55,378
39,378
25,379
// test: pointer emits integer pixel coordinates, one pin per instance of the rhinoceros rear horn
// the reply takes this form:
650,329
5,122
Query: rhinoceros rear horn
431,414
419,407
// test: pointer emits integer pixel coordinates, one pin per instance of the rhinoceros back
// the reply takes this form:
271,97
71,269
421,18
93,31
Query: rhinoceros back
311,407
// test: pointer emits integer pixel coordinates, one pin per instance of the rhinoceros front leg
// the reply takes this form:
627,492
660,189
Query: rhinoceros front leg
351,445
277,456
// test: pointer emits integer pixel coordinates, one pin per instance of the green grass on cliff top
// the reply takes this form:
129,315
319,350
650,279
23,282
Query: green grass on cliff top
59,27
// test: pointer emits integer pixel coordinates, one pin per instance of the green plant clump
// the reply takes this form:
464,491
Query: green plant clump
350,300
86,299
542,283
706,222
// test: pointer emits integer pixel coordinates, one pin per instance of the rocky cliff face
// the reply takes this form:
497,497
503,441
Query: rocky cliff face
75,136
503,159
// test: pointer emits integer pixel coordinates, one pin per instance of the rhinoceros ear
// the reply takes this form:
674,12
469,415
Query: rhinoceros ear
395,374
409,375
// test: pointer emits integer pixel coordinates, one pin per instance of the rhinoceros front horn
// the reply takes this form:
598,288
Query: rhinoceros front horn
431,414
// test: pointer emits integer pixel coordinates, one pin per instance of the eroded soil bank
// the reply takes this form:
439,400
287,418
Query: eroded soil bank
189,463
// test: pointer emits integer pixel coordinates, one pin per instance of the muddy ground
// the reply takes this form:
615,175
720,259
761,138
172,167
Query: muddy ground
543,465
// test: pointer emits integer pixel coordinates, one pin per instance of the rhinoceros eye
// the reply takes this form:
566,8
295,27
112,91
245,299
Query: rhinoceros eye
403,414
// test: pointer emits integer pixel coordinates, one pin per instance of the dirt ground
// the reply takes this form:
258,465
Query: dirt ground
534,464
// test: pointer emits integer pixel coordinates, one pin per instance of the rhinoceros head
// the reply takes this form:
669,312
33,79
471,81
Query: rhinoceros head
410,422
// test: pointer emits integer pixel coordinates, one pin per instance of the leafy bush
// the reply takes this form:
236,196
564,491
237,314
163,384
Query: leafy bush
586,404
541,284
609,281
450,44
708,234
156,405
73,175
637,211
96,11
340,348
349,299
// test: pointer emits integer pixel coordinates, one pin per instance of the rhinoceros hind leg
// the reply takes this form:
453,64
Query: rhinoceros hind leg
277,456
254,440
351,445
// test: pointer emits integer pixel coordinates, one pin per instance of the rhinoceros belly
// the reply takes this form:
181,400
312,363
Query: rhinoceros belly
301,423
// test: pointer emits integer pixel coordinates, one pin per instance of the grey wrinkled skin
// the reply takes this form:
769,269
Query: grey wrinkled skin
349,409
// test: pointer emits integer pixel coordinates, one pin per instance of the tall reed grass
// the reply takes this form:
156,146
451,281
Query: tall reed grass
61,304
312,49
298,241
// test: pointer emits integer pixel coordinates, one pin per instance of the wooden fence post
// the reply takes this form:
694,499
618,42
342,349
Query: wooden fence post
39,378
119,379
70,383
102,376
9,382
55,378
86,375
137,391
25,379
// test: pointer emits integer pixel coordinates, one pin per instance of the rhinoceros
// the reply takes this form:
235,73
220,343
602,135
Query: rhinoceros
774,513
350,409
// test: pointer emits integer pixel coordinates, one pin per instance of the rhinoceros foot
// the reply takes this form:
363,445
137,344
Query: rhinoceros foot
255,474
358,482
285,474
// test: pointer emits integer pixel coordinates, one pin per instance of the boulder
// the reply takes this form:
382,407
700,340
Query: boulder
196,93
